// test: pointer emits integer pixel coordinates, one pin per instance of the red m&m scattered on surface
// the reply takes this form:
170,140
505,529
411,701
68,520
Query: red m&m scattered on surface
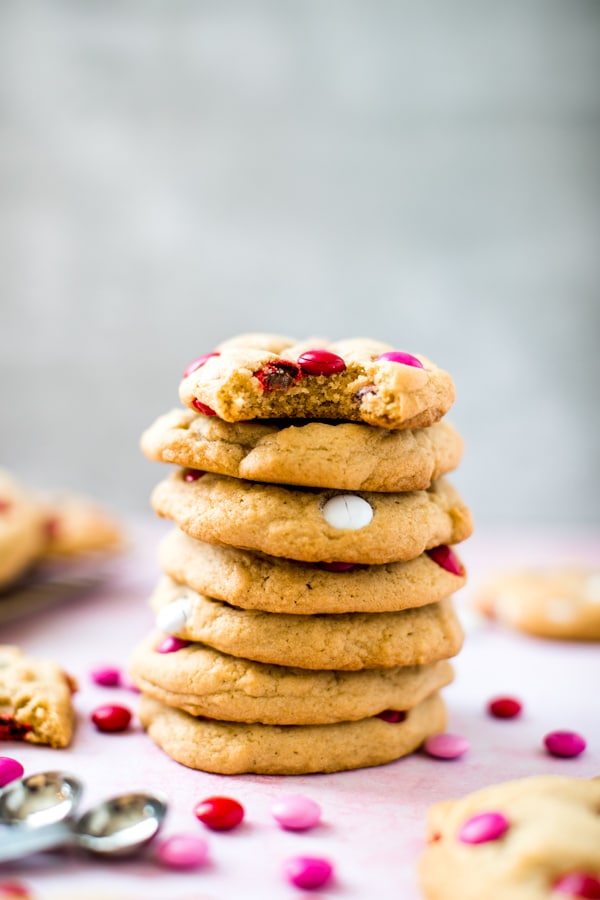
504,707
111,718
219,813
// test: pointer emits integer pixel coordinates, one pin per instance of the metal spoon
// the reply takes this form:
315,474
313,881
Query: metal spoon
36,814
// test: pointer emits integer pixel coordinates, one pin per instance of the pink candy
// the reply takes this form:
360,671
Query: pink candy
578,884
10,770
445,557
485,827
393,716
446,746
191,475
399,357
106,676
182,851
171,644
296,812
564,743
197,363
308,872
320,362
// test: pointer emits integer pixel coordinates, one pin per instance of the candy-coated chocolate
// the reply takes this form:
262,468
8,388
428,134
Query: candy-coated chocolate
10,770
182,851
393,716
488,826
578,884
111,718
407,359
171,644
347,511
308,872
564,743
173,617
504,707
295,812
219,813
13,889
191,475
278,375
106,676
320,362
446,746
203,408
336,566
445,557
197,363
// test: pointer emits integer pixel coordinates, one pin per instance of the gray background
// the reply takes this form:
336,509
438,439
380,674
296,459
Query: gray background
425,173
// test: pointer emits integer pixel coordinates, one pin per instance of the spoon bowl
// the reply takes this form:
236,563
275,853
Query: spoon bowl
121,825
39,800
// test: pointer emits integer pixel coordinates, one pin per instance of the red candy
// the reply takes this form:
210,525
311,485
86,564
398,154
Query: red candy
203,408
405,358
11,730
336,566
198,363
504,707
445,557
320,362
13,889
392,716
190,475
564,743
111,718
219,813
278,375
578,884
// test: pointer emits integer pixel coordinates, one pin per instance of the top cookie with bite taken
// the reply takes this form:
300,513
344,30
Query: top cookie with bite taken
264,376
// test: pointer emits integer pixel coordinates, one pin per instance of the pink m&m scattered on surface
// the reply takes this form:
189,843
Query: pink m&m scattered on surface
10,770
445,557
504,707
219,813
111,718
296,812
171,644
446,746
564,743
320,362
182,851
308,872
578,884
106,676
488,826
198,363
406,359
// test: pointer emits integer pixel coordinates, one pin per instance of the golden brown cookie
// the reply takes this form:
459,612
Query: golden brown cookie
313,525
338,641
555,602
255,581
539,836
232,748
356,380
205,682
346,455
21,529
35,700
77,525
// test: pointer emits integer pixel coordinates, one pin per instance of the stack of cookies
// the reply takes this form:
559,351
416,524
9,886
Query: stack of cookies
304,620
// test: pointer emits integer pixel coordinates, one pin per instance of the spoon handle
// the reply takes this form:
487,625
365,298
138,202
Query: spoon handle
17,841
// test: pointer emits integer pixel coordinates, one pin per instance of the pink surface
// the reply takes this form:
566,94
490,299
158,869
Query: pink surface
373,820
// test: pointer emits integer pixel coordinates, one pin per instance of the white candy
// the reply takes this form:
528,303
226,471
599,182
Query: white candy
173,617
347,511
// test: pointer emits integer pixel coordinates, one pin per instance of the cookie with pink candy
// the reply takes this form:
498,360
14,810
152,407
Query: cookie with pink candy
532,838
263,376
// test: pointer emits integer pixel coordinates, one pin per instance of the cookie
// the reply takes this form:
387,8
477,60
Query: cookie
205,682
254,581
77,525
35,700
21,530
547,830
312,525
232,748
558,602
346,455
358,380
338,641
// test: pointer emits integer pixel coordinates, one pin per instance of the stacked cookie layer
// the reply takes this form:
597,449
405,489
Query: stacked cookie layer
305,620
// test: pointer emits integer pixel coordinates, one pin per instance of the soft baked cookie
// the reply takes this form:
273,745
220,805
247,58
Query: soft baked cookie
534,837
273,584
232,748
312,525
346,455
35,700
555,602
205,682
21,529
338,641
357,380
77,525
